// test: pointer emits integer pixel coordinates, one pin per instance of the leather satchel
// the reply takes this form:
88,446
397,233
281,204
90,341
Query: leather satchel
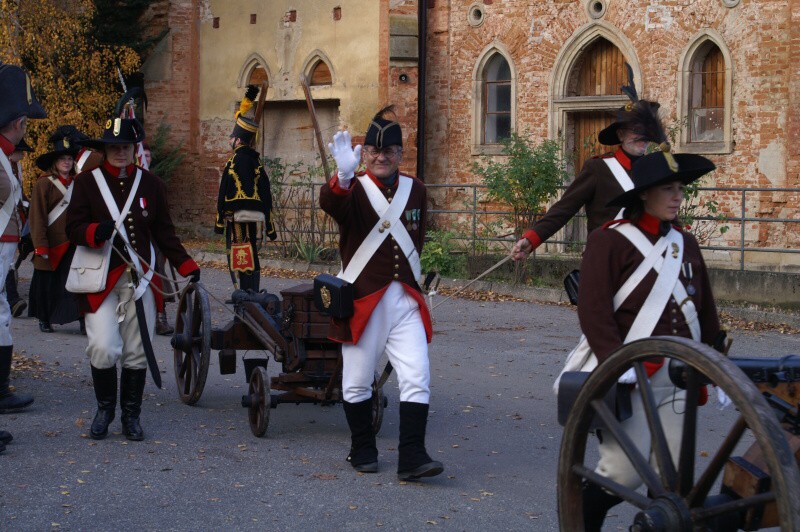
618,398
333,296
88,271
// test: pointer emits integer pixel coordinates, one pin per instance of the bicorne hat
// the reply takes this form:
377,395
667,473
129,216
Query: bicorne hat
383,132
117,131
22,146
662,167
16,95
65,141
640,116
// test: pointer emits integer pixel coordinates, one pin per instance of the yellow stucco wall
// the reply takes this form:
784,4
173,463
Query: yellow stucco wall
350,45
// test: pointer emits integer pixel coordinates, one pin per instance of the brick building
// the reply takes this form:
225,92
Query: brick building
721,69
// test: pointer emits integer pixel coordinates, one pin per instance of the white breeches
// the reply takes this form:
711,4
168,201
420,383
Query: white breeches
395,328
7,251
113,330
671,401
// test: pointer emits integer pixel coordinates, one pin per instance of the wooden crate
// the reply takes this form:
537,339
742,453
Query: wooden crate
311,322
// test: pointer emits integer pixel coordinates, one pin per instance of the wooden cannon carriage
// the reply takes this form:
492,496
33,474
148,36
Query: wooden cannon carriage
749,481
290,330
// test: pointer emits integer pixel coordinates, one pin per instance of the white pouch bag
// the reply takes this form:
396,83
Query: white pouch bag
89,269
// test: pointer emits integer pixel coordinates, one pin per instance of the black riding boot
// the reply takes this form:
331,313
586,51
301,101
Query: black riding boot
414,462
5,437
363,451
105,390
130,398
596,504
9,402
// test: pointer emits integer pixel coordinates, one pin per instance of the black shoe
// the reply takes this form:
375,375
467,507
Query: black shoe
413,462
130,397
5,437
10,402
18,308
363,454
2,447
45,326
105,391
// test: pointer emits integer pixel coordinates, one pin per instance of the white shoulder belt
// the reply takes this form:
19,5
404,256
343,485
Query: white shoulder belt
388,224
10,203
62,205
119,218
667,265
621,176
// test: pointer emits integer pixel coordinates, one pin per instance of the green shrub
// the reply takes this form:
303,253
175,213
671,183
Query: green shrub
440,254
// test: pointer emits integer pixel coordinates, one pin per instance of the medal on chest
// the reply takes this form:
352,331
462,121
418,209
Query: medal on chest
143,206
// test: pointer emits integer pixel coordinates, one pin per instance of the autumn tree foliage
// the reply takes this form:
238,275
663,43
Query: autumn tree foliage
74,76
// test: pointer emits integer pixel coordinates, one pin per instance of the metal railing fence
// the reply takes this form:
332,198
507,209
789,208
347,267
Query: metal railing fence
480,226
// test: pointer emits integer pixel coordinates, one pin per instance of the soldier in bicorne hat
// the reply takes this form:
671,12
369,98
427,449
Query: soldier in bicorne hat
119,316
49,300
677,285
18,104
380,257
244,202
604,177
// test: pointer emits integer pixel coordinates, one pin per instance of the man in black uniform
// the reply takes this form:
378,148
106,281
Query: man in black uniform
244,202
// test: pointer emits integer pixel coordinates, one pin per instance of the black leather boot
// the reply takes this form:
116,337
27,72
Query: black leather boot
5,437
105,390
596,504
414,462
163,328
363,451
130,398
10,402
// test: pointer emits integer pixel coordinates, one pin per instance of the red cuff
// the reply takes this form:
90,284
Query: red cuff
187,267
90,236
333,183
41,251
533,238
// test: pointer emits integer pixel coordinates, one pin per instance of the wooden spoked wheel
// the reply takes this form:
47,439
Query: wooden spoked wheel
191,343
258,402
379,402
678,496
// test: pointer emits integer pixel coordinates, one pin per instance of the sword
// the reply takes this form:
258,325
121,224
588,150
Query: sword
152,363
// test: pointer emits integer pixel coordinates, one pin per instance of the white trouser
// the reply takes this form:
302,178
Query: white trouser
7,251
395,327
671,401
112,340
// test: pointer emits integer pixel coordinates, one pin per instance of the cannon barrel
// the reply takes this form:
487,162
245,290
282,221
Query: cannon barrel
759,370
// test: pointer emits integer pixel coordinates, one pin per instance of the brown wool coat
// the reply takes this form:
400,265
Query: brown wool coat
44,199
609,259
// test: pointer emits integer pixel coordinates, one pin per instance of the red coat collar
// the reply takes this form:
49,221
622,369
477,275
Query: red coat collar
6,145
623,159
114,171
652,225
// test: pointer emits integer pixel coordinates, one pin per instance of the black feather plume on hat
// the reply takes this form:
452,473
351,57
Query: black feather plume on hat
630,89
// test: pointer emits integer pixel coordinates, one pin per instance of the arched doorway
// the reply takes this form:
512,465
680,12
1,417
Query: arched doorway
585,93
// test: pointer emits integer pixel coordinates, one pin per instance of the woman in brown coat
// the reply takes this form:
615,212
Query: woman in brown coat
49,300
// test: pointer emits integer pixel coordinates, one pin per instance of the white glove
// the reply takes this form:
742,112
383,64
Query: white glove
629,377
722,399
346,157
